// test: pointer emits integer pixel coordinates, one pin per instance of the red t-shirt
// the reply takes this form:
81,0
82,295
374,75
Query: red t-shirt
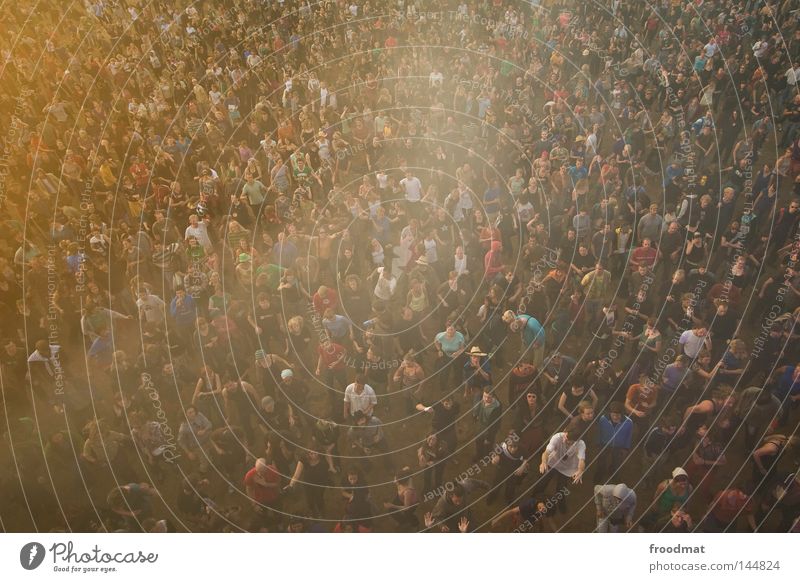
258,483
321,304
330,353
644,256
728,505
733,294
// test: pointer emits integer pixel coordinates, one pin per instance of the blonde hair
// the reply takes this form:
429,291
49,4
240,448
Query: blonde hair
295,324
737,347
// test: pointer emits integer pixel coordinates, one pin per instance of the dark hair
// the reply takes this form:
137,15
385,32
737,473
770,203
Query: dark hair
670,419
616,407
579,381
456,491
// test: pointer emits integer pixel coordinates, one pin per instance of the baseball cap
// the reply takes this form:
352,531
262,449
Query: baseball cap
287,374
679,472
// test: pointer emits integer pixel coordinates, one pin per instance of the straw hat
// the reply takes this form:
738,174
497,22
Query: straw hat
476,351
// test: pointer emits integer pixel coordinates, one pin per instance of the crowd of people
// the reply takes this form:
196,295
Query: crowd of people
400,266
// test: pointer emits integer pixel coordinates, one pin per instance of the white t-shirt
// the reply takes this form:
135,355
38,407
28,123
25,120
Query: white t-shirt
200,232
460,265
465,200
692,344
413,188
153,308
361,401
430,251
793,75
384,288
591,143
563,458
525,211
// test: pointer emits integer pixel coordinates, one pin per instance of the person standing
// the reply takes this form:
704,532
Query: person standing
694,340
726,508
262,484
451,513
359,397
184,315
791,120
757,408
313,475
450,344
658,443
487,413
477,374
512,466
565,459
409,376
445,414
432,457
332,370
368,438
413,194
786,388
194,435
670,494
598,287
616,434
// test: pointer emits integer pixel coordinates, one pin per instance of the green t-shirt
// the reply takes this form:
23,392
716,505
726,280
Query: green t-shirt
254,192
274,274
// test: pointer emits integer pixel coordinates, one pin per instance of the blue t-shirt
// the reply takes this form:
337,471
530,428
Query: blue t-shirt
339,327
450,346
674,375
786,386
533,331
491,201
617,436
473,378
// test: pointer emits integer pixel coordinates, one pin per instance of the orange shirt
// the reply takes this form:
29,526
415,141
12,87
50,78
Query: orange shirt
642,399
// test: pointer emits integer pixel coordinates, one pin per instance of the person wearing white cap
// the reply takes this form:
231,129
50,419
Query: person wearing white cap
265,372
616,505
670,493
292,390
